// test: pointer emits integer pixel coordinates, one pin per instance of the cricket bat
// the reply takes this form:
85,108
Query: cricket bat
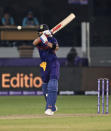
63,23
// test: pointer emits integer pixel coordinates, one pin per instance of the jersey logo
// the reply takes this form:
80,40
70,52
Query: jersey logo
43,65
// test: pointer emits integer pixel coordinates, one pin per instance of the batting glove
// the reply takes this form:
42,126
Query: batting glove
47,33
43,38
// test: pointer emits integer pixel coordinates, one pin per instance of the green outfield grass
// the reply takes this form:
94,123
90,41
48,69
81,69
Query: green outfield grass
75,113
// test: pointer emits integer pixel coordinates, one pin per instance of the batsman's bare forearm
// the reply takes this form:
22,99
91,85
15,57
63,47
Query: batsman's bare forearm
36,41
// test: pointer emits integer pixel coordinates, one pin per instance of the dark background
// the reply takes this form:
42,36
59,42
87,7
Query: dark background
97,12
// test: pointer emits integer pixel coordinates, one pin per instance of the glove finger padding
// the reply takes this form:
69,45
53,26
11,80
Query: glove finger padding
47,33
44,39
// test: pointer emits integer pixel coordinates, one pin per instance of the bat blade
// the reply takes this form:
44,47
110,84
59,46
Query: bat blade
63,23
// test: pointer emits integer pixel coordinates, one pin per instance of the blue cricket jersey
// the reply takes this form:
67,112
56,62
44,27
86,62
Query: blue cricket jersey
46,53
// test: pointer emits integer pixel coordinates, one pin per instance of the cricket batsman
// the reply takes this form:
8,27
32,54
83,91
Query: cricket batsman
47,46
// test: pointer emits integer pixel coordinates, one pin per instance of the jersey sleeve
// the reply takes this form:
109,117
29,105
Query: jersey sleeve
55,42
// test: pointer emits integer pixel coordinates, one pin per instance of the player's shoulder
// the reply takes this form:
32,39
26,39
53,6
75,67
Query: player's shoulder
53,39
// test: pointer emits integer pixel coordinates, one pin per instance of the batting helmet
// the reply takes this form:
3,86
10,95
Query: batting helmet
42,27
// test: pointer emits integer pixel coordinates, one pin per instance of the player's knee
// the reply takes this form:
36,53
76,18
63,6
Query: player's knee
44,88
53,85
